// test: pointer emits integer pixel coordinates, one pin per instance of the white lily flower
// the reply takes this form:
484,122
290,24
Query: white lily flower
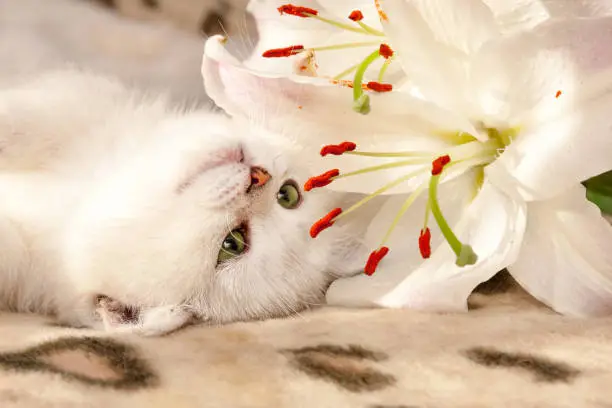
337,36
518,122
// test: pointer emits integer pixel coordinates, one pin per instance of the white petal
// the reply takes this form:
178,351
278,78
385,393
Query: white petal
518,77
566,258
522,15
493,224
577,8
465,25
434,40
563,140
214,53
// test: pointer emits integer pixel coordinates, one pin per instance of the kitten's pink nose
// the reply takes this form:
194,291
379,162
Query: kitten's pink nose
259,177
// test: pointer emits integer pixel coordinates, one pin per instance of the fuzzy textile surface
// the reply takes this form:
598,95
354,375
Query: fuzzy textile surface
507,352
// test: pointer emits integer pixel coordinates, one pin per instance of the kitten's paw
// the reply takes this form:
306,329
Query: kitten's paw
164,319
155,321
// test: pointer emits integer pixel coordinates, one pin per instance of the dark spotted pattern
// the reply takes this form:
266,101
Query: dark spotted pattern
152,4
543,369
94,361
392,406
106,3
346,367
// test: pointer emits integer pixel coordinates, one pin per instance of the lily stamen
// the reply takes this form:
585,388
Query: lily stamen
297,11
361,101
370,30
378,87
385,166
349,148
407,204
471,153
374,260
356,15
381,14
385,51
425,243
324,222
383,69
283,52
438,165
321,180
338,149
347,71
345,45
297,49
306,12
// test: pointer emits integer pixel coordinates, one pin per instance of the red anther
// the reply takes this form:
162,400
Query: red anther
321,180
385,51
324,222
425,243
356,15
558,94
298,11
338,149
438,165
378,87
283,52
374,259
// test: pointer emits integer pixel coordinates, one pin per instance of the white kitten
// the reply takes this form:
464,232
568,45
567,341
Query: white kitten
114,201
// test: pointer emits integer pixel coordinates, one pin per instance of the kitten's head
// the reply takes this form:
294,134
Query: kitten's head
184,222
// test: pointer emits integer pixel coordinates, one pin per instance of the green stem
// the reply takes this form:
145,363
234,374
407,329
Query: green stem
383,167
427,211
450,237
383,69
370,30
359,74
425,155
345,46
409,201
347,71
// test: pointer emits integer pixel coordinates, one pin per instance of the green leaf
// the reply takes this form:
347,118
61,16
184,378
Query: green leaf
604,202
599,191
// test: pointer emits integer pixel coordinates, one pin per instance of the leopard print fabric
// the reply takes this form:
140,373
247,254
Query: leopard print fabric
511,353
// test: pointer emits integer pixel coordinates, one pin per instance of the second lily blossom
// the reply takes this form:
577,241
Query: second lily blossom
513,120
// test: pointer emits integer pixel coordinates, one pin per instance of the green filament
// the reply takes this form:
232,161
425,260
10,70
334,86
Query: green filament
465,254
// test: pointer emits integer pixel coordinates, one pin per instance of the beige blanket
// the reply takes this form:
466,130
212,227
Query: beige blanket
507,352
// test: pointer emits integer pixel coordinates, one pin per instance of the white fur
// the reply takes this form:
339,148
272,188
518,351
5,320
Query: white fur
92,180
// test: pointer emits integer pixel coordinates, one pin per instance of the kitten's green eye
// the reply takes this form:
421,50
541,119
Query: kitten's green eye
234,244
288,195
